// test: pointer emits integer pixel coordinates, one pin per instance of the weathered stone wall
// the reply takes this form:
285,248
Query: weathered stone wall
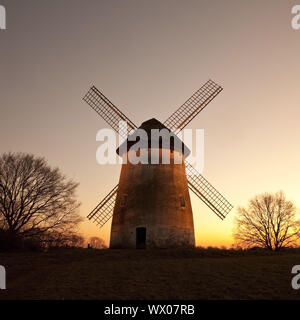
150,196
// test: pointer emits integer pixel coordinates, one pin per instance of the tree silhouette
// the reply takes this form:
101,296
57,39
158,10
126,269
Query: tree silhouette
97,243
269,221
53,239
34,198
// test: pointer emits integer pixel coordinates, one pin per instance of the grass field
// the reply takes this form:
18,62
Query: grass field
149,274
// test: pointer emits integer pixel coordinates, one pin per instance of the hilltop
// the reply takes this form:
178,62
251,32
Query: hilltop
150,274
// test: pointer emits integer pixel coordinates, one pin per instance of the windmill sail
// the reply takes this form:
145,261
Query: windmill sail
109,112
104,210
206,192
196,103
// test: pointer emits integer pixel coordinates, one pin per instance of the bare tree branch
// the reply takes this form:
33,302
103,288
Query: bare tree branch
35,198
269,221
97,243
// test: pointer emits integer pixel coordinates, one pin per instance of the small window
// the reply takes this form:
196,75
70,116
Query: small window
182,202
124,200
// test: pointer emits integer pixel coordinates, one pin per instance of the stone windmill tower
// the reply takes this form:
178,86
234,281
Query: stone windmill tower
151,206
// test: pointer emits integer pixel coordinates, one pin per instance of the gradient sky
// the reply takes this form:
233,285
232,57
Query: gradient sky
148,57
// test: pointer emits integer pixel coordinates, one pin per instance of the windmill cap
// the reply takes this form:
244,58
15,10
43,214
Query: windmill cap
156,139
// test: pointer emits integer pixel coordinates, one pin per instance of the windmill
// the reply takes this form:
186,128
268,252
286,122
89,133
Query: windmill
151,206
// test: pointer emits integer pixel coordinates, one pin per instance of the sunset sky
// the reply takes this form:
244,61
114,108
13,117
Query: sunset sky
148,57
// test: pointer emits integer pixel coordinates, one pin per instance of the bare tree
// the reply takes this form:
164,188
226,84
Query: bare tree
34,198
75,240
53,239
270,221
97,243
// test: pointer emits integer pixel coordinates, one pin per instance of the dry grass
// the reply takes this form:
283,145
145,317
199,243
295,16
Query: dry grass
149,274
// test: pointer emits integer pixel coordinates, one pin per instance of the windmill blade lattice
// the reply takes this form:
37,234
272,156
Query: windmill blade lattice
206,192
104,210
109,112
196,103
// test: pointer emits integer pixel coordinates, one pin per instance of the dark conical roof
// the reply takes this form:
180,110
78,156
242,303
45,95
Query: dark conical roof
175,143
153,124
